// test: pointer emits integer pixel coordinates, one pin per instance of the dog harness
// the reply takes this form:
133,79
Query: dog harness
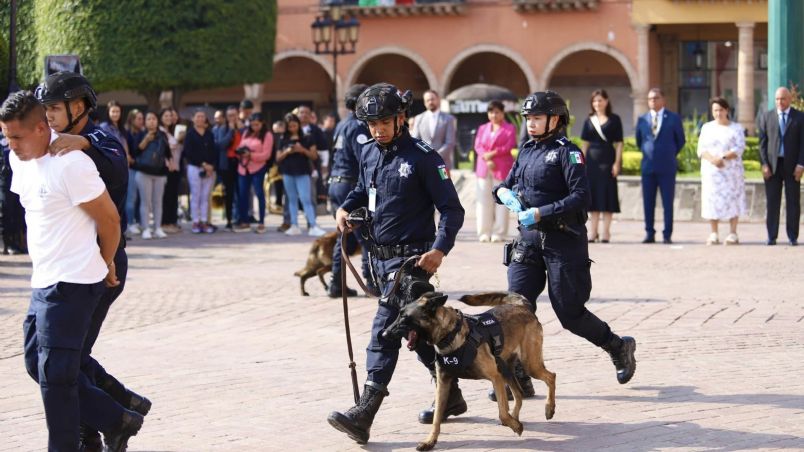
483,329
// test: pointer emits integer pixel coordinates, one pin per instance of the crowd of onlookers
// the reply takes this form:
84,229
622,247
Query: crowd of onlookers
173,159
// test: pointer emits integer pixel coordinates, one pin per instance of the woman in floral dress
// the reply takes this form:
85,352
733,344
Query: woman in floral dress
720,147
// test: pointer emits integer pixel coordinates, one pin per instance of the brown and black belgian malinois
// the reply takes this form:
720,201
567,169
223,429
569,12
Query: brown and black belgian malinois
319,260
428,318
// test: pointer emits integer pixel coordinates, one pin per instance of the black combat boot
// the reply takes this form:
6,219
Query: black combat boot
524,382
117,439
334,289
90,440
123,396
621,350
356,422
455,405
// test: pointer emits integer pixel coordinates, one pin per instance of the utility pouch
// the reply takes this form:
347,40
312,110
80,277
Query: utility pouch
507,249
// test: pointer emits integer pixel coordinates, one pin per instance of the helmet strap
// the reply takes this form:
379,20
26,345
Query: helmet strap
547,131
71,122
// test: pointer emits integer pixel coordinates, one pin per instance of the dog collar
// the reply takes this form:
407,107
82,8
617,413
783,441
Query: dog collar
447,340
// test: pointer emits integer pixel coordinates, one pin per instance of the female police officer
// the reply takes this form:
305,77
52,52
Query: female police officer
548,190
401,182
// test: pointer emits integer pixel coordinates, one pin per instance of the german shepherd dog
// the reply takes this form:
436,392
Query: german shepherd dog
428,318
319,260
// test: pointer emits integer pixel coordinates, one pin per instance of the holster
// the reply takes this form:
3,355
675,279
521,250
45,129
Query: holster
522,253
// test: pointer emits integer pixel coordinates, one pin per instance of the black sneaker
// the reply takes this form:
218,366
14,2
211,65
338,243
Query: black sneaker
623,357
117,439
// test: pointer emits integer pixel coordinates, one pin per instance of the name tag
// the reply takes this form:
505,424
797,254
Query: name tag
372,192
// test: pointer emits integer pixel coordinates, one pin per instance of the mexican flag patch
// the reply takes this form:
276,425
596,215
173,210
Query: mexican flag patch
576,158
442,171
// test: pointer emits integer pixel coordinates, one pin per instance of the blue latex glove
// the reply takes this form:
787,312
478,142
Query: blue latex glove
507,197
528,217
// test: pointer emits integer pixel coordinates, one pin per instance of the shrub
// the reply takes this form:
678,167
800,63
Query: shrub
751,165
631,162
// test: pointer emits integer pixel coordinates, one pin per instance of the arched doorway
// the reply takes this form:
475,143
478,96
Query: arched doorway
489,67
577,74
296,80
399,70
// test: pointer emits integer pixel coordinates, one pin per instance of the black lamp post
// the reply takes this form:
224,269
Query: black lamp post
335,35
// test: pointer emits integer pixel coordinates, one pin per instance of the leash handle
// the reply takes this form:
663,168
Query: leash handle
345,256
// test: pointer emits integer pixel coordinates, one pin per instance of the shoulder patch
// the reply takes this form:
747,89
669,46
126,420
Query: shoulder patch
576,157
424,146
563,141
362,139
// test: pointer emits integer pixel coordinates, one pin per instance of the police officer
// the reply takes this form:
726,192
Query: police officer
402,181
350,136
548,189
69,99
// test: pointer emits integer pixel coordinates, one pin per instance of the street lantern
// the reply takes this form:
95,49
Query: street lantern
334,34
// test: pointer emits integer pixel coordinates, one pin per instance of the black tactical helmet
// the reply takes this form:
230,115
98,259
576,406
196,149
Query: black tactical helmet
548,103
352,94
381,101
66,86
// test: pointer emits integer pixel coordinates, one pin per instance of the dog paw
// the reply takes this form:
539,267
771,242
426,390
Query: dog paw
425,446
549,411
518,428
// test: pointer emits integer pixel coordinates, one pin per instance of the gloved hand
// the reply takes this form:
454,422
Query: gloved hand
507,197
529,217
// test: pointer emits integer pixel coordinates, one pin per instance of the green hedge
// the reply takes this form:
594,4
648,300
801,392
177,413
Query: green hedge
149,45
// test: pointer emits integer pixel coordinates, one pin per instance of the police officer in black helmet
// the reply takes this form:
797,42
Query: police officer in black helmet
402,181
350,136
548,189
69,99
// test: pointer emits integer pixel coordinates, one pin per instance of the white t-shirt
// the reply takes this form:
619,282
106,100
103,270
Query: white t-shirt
62,238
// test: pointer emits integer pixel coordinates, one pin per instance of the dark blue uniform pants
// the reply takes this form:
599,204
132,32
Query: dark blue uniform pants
337,195
55,329
563,265
382,354
89,366
666,184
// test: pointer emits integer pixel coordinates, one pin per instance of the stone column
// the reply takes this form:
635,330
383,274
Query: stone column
640,92
745,76
253,92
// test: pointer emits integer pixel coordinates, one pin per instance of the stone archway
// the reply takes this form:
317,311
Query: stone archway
299,76
362,72
578,70
480,52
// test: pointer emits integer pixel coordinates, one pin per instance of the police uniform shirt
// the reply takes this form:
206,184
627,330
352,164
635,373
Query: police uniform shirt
549,175
62,241
410,179
110,159
351,135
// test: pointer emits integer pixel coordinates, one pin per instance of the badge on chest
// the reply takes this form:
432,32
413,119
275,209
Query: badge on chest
551,156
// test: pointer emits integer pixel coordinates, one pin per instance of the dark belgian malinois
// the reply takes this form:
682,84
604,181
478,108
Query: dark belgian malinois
449,330
319,260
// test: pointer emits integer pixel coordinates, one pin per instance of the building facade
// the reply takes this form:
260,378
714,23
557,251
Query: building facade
693,49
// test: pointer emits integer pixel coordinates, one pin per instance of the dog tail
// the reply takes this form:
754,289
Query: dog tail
494,299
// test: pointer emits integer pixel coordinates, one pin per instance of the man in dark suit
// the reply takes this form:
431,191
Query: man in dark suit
781,151
660,137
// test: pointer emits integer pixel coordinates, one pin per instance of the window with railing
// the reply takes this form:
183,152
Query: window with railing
399,7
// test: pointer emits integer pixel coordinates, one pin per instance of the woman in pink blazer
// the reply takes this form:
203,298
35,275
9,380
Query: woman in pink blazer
493,144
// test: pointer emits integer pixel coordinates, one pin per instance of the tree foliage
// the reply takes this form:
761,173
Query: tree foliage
151,45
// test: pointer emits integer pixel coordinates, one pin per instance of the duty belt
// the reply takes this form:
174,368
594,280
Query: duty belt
384,252
344,179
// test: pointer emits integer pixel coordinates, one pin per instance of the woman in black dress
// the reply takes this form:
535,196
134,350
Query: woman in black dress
602,145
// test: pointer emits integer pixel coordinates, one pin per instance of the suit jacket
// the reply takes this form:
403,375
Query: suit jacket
503,142
659,152
769,140
442,140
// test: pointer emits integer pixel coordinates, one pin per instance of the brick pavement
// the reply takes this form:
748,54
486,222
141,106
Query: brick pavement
213,330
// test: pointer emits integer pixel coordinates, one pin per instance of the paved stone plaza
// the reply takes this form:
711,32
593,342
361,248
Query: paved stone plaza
213,330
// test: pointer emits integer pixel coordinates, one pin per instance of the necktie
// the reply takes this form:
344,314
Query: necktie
782,127
654,123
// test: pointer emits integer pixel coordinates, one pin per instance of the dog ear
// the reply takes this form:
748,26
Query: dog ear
436,299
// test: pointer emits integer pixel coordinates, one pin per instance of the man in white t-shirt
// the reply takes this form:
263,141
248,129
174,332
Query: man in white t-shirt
73,234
